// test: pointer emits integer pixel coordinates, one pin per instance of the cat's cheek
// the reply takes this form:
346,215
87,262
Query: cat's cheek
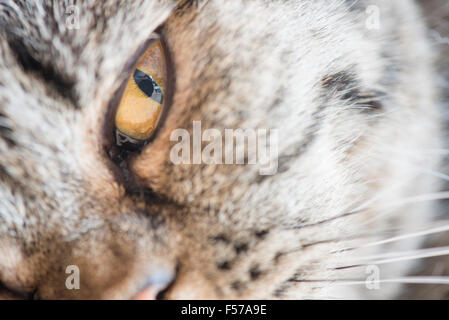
14,272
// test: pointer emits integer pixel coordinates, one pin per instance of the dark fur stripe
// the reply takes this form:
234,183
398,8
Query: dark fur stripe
346,86
6,132
62,86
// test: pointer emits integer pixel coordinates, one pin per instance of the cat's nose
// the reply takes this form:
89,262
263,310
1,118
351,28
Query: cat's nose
157,282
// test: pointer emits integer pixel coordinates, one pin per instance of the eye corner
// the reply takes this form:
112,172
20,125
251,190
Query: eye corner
7,293
125,142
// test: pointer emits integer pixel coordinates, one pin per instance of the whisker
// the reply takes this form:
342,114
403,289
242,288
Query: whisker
420,198
443,152
404,280
444,195
426,232
370,201
402,237
324,242
434,173
397,257
360,208
408,236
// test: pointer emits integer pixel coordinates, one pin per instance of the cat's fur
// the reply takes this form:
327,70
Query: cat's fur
355,108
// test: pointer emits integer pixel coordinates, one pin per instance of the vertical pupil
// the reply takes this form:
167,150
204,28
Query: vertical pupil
144,82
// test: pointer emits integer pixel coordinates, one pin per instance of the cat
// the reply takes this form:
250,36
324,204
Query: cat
349,86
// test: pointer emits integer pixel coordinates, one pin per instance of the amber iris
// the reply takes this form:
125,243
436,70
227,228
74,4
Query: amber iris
142,102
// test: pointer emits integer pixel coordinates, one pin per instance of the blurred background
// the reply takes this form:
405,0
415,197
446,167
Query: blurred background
437,16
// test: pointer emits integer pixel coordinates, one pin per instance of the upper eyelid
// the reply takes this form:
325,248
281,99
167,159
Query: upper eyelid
130,65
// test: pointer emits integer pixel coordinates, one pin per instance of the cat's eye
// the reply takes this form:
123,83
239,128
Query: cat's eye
143,100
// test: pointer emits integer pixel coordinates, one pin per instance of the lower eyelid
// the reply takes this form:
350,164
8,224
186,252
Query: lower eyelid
8,294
